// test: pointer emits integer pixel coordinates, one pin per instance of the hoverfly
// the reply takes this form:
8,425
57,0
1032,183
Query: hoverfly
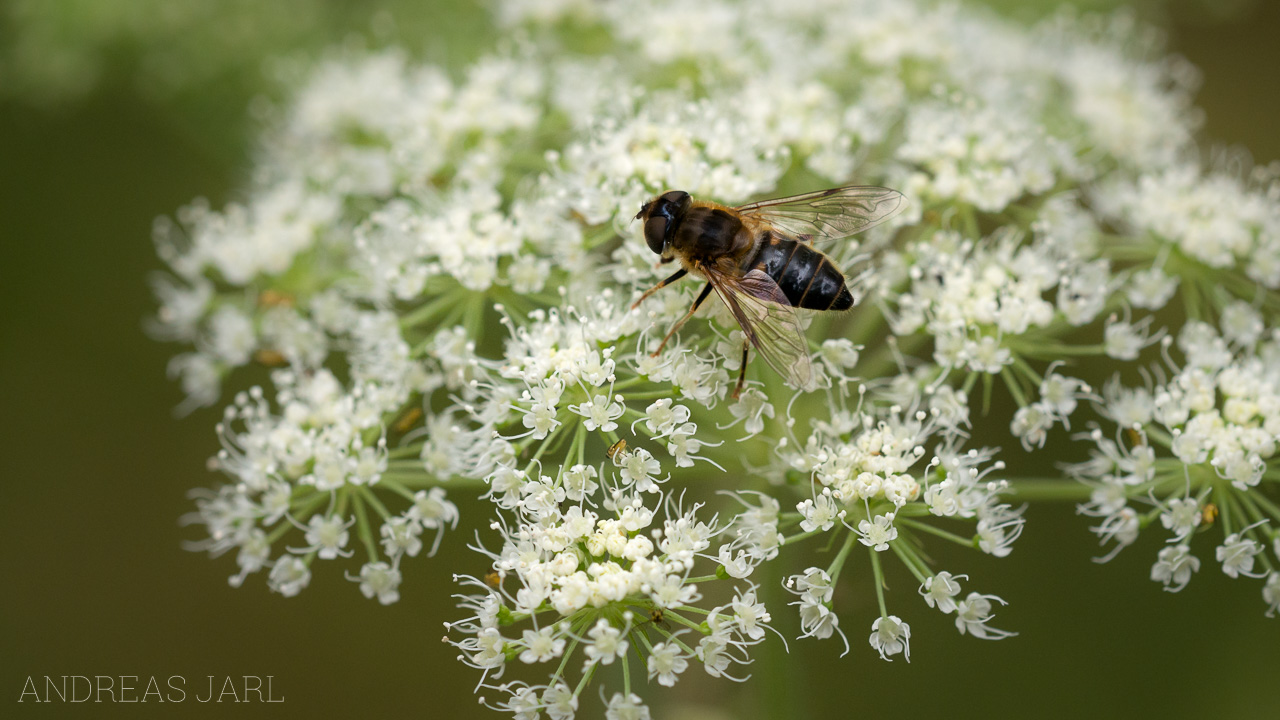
761,260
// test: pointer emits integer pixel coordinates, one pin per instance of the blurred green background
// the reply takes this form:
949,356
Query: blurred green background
109,118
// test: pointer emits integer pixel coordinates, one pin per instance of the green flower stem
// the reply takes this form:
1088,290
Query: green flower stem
1022,366
397,488
473,316
833,571
1014,388
1048,489
701,578
879,578
586,678
430,310
626,677
1222,495
575,632
629,382
632,414
365,529
649,394
800,536
405,451
968,542
672,638
409,479
1191,300
304,510
683,620
909,558
1247,506
643,640
1159,436
307,503
1044,351
369,497
1266,504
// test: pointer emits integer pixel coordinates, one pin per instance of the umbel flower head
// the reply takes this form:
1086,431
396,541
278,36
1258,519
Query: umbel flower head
441,270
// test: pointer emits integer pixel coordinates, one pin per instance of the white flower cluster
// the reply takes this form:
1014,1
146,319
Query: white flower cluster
1194,451
864,487
604,577
1215,219
315,460
983,301
442,272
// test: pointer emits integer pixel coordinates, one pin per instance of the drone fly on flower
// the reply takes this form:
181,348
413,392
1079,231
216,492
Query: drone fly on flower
762,260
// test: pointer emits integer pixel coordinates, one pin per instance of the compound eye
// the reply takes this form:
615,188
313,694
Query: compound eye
655,230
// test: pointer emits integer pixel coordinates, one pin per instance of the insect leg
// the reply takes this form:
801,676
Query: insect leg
706,290
678,274
742,370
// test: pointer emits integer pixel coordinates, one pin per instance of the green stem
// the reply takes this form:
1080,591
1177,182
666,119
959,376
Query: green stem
838,564
626,677
429,310
879,578
683,621
907,555
800,536
1048,489
586,678
365,530
373,500
701,578
1014,388
957,539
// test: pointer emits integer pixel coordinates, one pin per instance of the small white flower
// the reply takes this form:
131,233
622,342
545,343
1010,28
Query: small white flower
606,644
972,615
626,707
639,468
1182,516
815,583
890,636
541,645
560,702
1271,593
665,662
940,591
820,513
328,535
1174,566
579,482
1237,553
289,576
431,510
879,533
599,413
382,580
749,615
663,416
401,535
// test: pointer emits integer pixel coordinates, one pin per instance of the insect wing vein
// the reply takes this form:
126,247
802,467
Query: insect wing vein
828,214
768,321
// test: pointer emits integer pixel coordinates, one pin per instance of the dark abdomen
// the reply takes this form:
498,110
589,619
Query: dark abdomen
807,277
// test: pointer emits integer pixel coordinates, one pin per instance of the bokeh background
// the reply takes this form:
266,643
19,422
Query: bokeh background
115,111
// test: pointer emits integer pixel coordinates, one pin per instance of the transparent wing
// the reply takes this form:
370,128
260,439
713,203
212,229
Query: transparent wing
825,214
768,321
